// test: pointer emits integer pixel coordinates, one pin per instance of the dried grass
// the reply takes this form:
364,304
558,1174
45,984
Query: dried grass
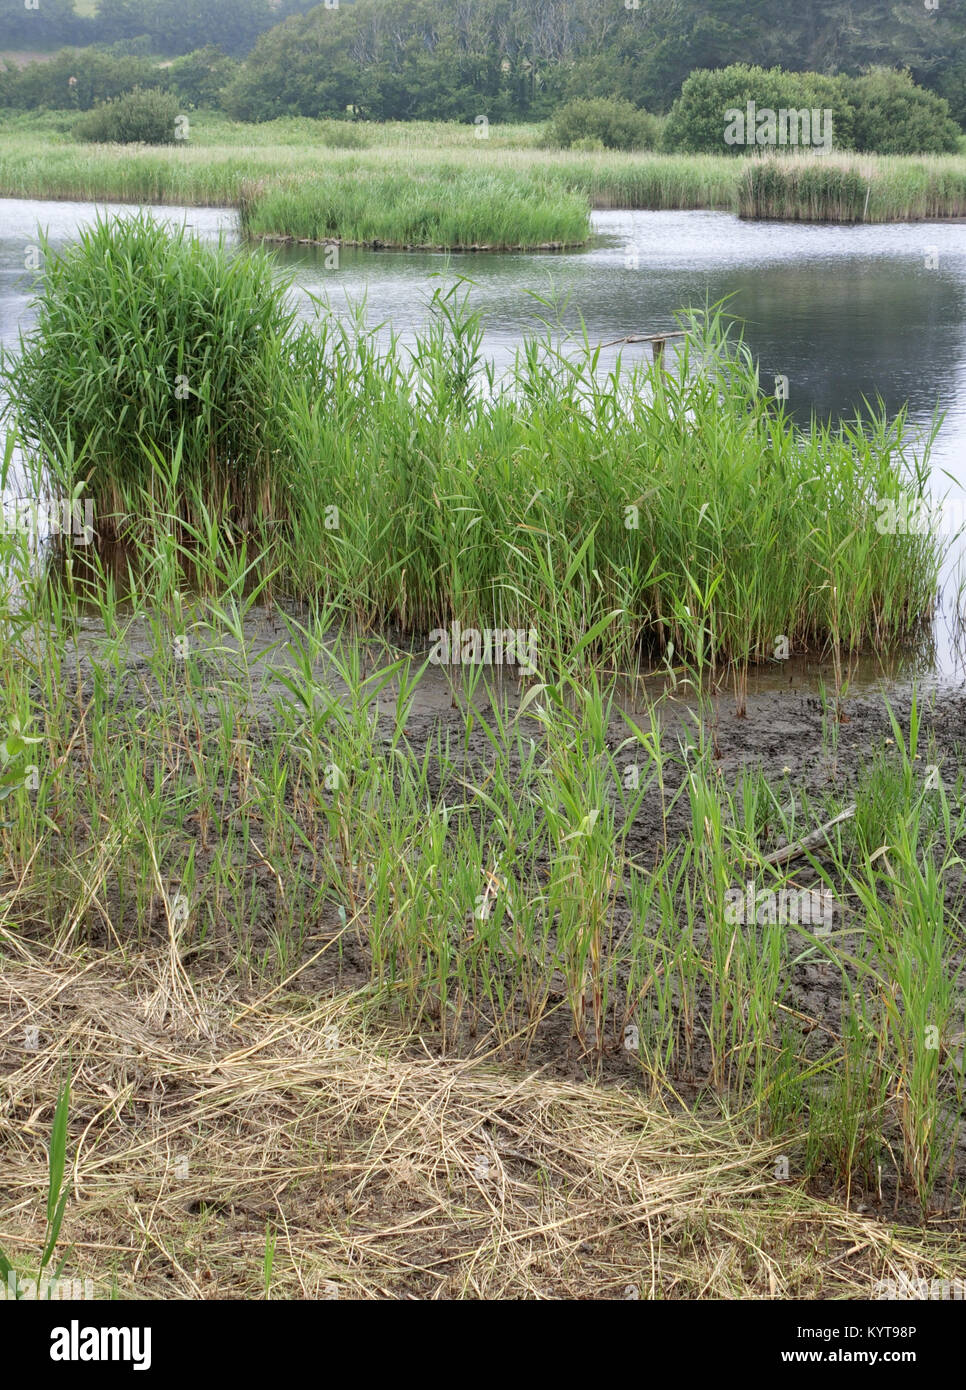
198,1120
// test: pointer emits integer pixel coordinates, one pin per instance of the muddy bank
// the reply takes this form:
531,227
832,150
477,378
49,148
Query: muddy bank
810,751
282,239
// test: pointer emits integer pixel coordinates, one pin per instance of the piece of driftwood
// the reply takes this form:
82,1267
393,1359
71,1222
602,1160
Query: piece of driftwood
645,338
782,856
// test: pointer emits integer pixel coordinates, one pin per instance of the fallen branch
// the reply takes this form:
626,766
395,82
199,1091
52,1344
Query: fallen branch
781,856
644,338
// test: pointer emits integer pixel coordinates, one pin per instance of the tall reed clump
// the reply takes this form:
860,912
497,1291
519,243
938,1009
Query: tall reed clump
147,344
411,489
561,499
848,190
450,206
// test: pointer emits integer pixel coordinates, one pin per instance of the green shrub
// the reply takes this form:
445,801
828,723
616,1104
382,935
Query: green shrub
75,80
200,77
883,112
141,116
894,116
616,125
701,116
150,343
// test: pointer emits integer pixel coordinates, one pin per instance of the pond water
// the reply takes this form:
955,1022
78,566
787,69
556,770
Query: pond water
844,313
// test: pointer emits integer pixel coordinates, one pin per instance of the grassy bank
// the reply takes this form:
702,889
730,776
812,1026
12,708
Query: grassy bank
439,184
329,880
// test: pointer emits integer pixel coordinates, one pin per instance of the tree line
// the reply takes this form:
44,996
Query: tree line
168,27
507,59
520,59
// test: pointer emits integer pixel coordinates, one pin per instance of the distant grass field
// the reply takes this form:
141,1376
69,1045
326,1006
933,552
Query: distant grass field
440,184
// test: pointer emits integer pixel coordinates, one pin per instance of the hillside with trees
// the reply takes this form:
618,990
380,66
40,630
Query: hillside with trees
507,59
519,59
169,27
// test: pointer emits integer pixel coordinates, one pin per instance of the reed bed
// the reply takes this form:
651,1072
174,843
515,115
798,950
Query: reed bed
843,189
658,511
412,490
302,178
212,742
446,208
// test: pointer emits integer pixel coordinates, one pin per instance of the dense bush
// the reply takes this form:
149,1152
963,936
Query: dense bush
199,78
894,116
616,125
697,122
75,80
883,112
147,116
